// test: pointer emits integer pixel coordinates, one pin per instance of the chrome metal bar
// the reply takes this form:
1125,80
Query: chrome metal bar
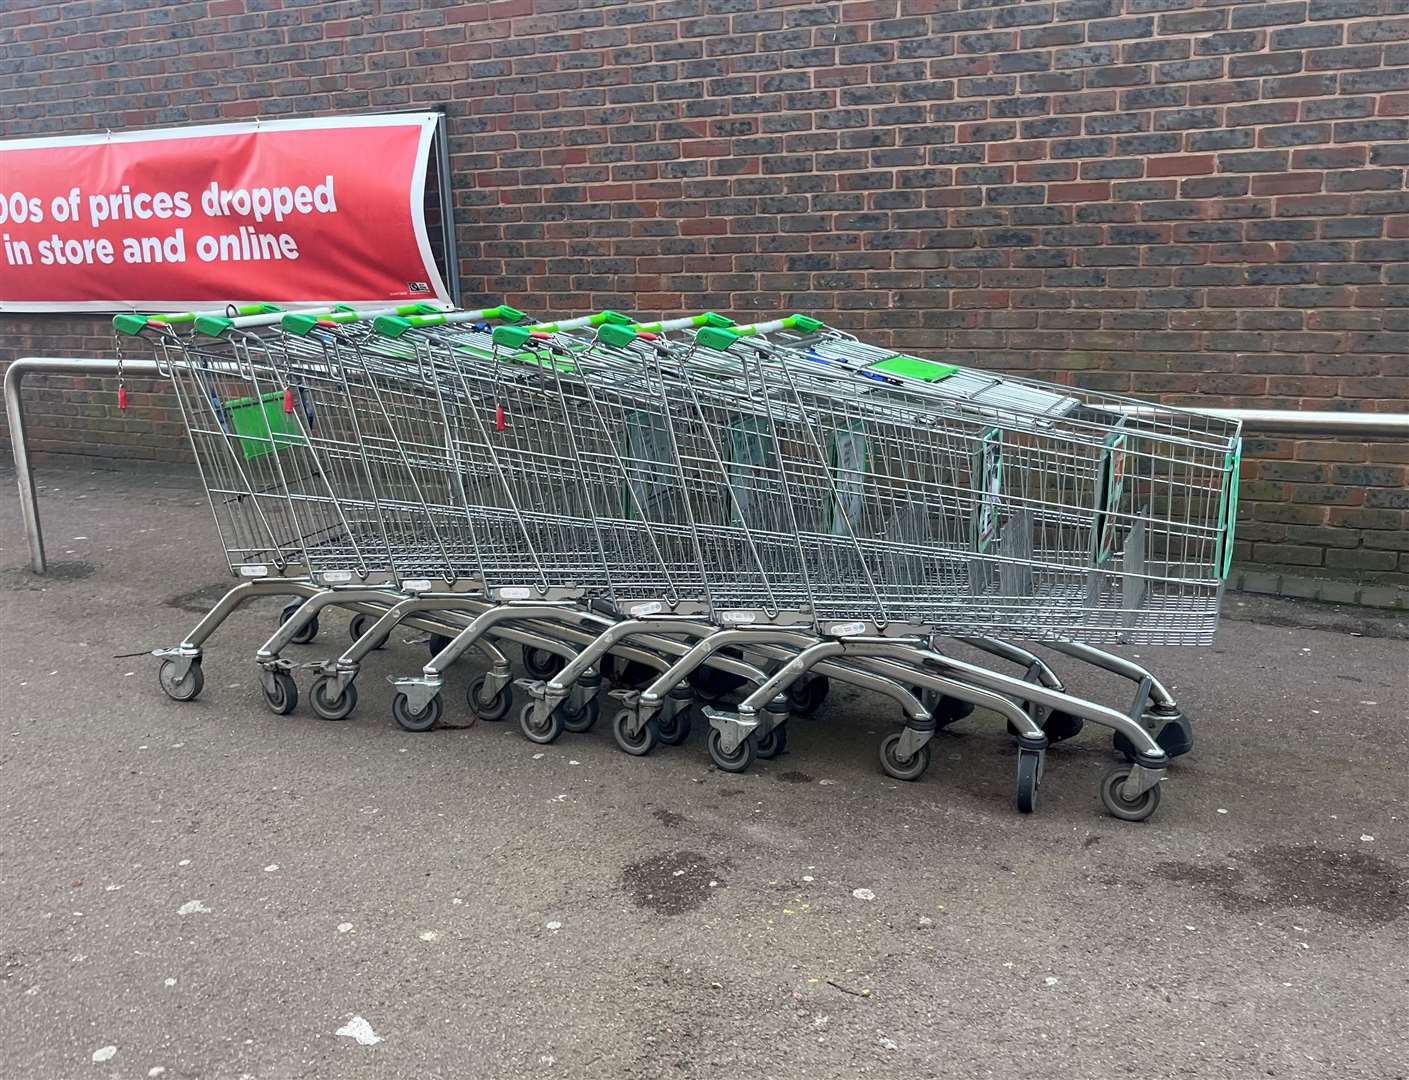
14,414
1320,424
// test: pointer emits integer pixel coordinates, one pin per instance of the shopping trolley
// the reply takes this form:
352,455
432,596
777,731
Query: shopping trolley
1027,556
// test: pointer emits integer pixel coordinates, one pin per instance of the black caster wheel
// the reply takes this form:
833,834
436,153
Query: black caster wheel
415,721
806,697
632,674
330,707
773,744
738,761
307,632
1117,805
1060,726
542,732
1029,778
911,768
638,745
673,730
711,684
187,687
1176,738
436,643
542,664
580,720
950,710
490,709
283,698
359,625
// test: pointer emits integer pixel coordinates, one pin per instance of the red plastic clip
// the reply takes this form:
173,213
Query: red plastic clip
289,400
499,424
326,322
122,397
646,336
158,323
540,335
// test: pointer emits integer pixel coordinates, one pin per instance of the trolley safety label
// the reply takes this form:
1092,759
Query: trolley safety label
515,592
737,618
846,629
254,571
639,610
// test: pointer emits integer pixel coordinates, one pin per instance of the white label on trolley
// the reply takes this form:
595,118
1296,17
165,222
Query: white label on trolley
646,609
736,618
254,571
846,629
515,592
337,577
417,585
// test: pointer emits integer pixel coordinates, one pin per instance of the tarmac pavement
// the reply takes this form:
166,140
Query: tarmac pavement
206,890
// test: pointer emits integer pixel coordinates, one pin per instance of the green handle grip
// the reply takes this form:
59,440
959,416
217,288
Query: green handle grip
717,337
300,322
512,337
805,323
130,323
213,325
616,335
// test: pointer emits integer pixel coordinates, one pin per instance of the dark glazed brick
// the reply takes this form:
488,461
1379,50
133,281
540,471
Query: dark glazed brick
1267,14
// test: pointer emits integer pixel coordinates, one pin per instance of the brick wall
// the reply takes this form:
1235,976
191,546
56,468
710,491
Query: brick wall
1198,201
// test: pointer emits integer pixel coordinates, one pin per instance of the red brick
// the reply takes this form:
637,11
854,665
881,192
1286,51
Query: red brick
1186,165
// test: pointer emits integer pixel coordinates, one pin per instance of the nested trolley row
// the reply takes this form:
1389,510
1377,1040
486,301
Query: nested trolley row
701,510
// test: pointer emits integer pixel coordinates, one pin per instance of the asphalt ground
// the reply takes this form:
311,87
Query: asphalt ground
208,890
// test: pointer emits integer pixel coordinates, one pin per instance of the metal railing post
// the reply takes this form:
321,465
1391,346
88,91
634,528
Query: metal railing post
14,414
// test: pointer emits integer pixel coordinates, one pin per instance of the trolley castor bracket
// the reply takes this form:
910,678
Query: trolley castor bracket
911,740
418,690
733,729
181,657
639,713
1140,780
271,664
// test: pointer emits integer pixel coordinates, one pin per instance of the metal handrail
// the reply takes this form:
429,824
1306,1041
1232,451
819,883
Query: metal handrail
1259,421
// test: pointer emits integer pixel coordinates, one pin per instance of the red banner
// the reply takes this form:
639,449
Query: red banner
195,218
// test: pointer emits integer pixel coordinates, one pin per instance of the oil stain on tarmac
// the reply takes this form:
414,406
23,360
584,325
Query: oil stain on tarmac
1349,884
673,883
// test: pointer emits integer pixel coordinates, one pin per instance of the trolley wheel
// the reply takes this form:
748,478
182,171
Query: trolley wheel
542,664
673,730
738,761
1060,726
1117,805
415,721
631,674
436,643
1176,738
307,632
580,720
360,624
185,688
546,731
320,696
807,696
711,684
490,709
638,745
950,710
283,699
1029,777
772,745
907,769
